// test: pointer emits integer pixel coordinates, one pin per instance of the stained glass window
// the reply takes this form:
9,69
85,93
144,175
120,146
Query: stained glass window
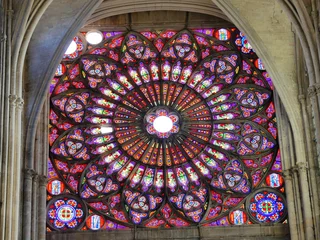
163,129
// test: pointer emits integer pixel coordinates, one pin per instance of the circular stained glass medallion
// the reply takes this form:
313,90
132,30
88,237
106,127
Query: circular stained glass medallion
238,217
274,180
95,222
267,206
55,187
65,213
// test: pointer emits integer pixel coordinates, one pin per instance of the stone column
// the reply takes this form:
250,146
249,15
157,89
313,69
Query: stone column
17,168
35,206
305,195
312,94
293,225
10,166
42,212
312,161
297,198
8,102
27,203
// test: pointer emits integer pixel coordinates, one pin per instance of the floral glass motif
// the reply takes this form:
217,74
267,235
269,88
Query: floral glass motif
110,169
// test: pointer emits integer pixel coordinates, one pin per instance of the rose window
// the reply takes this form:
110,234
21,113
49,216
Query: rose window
163,129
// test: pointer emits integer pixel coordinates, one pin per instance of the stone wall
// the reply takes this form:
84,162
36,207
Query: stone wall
252,232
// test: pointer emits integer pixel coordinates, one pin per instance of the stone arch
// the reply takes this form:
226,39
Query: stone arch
277,54
107,9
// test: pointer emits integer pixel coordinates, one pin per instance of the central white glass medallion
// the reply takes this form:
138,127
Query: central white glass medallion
163,124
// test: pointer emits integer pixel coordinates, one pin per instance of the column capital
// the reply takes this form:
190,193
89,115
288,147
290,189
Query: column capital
12,99
302,167
312,91
19,103
35,177
302,98
287,174
294,169
3,38
317,87
43,180
29,173
10,12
